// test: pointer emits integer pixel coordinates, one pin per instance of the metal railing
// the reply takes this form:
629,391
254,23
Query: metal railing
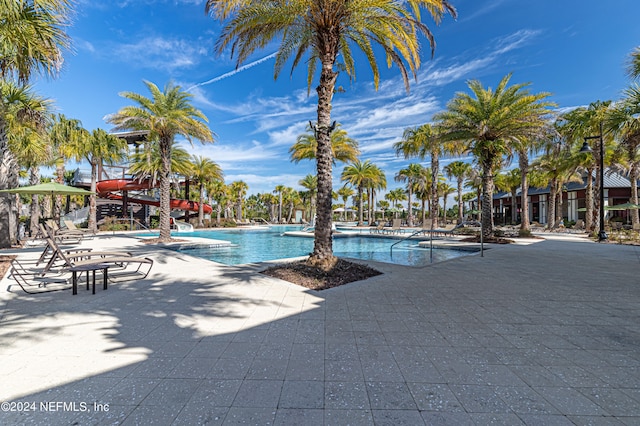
421,231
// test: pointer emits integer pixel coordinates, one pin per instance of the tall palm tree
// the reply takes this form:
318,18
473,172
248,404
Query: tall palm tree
573,127
395,196
444,190
489,123
33,39
280,191
167,114
67,136
377,182
458,170
310,183
420,142
510,182
345,192
358,175
217,190
203,171
99,148
28,139
324,30
625,122
343,148
238,190
410,174
23,116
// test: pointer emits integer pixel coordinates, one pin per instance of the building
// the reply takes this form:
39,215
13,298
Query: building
617,190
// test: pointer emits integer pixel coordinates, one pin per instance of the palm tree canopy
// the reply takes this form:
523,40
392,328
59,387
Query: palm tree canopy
321,28
633,66
32,37
343,148
490,122
147,163
27,116
166,114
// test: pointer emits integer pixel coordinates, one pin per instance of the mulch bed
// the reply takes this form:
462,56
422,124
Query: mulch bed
302,274
5,264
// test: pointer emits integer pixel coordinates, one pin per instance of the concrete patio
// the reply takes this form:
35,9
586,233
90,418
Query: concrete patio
539,334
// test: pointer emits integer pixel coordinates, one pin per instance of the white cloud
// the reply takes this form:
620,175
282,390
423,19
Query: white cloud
160,52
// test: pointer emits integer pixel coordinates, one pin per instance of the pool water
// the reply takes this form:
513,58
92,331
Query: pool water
253,246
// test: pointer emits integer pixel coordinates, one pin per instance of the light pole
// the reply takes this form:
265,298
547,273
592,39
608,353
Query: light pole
602,234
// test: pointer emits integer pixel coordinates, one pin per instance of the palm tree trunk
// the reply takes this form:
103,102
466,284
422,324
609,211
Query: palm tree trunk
93,226
487,200
201,207
525,225
322,255
8,179
551,216
360,206
409,208
588,217
34,179
633,177
165,187
57,208
435,166
460,202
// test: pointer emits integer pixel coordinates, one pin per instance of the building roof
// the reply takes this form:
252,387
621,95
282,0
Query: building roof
611,180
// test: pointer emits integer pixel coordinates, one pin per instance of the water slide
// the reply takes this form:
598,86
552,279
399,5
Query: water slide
106,189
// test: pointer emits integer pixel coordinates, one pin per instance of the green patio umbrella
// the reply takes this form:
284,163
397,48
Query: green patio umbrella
49,188
623,206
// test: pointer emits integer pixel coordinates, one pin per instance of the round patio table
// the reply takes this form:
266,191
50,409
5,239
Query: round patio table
90,267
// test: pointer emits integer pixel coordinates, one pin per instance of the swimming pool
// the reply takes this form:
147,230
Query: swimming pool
253,246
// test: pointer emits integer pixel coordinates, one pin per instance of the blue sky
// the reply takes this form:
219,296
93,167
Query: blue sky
574,49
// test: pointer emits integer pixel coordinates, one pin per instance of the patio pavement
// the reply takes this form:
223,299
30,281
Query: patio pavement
539,334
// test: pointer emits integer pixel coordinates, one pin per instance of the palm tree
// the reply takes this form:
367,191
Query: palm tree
395,196
377,182
343,148
489,124
345,192
310,183
458,170
238,191
444,190
98,148
28,140
633,66
166,114
625,122
204,170
410,174
23,117
358,175
573,127
33,39
217,190
280,191
420,142
325,30
510,182
67,136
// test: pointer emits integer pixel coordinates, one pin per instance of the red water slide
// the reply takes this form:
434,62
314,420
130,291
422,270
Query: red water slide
106,189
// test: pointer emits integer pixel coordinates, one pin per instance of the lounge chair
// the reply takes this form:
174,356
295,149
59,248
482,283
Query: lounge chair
87,233
33,283
395,227
378,229
123,266
444,231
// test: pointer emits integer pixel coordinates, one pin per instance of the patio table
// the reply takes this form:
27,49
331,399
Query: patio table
93,267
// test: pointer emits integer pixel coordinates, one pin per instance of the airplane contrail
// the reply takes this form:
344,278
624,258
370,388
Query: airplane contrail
234,72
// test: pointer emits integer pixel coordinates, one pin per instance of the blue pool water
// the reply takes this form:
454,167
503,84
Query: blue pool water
251,246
